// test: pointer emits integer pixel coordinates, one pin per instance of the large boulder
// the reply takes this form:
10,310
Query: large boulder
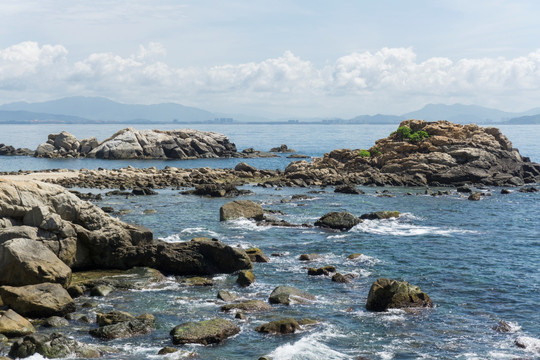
55,346
241,209
38,301
391,294
204,332
338,220
288,295
14,325
27,262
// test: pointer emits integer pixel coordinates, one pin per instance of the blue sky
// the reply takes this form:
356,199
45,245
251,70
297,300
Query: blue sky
296,58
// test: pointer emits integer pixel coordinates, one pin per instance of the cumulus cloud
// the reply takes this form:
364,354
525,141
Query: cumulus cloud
362,82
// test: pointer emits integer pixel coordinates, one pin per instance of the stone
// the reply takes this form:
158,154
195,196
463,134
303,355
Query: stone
101,290
380,215
309,257
113,317
325,270
245,167
347,278
354,256
204,332
226,296
390,294
505,192
283,326
55,346
241,209
142,324
27,262
248,306
55,322
245,278
338,221
38,301
167,350
348,189
288,295
256,255
14,325
476,196
528,343
196,281
503,327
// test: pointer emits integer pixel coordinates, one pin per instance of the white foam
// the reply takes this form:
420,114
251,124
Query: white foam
199,230
246,224
340,236
365,259
398,228
529,343
172,238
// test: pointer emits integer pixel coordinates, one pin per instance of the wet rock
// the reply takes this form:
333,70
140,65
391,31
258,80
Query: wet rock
283,326
226,296
282,149
528,189
167,350
388,294
380,215
107,209
101,290
505,191
55,346
240,315
75,291
347,278
113,317
143,191
528,343
41,300
256,255
196,281
354,256
241,209
325,270
476,196
288,295
55,322
14,325
309,257
134,278
245,278
142,324
247,306
338,221
503,327
204,332
348,189
464,189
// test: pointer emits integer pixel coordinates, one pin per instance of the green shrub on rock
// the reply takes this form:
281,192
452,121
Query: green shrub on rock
364,153
405,133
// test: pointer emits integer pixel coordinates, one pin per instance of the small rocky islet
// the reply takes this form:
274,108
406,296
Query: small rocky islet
50,238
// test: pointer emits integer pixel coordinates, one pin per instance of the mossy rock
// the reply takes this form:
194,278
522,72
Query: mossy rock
245,278
325,270
204,332
283,326
390,294
248,306
256,255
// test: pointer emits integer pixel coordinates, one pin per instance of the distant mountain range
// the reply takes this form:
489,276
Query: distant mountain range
101,110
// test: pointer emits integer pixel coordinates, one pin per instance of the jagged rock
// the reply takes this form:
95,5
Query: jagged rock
204,332
241,209
283,326
256,255
380,215
387,294
288,295
55,346
282,149
338,220
247,306
245,278
14,325
41,300
121,329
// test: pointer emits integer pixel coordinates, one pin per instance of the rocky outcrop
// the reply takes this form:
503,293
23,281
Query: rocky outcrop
82,236
283,326
392,294
8,150
442,154
204,332
120,327
247,306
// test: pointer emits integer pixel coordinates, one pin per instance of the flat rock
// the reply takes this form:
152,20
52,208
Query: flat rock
241,209
248,306
204,332
283,326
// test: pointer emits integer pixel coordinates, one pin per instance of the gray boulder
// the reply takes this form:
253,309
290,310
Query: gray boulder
55,346
204,332
241,209
38,301
338,220
140,325
288,295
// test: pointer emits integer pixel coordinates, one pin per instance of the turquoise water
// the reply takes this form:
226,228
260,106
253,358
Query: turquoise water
477,260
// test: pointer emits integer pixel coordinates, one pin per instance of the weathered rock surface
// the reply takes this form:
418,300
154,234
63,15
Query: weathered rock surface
241,209
82,236
14,325
245,278
204,332
55,346
288,295
247,306
217,190
338,221
41,300
256,255
389,294
8,150
121,326
325,270
283,326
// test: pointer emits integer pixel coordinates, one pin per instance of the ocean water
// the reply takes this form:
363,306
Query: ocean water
478,261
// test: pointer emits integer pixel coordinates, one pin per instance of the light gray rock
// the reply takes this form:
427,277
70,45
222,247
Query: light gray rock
39,301
241,209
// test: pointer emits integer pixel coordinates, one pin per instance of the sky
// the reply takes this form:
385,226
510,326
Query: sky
305,58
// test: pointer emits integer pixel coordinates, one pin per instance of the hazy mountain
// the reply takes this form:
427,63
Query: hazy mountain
102,109
377,119
460,114
525,120
25,117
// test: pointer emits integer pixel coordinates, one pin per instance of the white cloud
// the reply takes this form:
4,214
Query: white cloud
390,80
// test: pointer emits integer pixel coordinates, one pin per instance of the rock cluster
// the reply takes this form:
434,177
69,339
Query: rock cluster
8,150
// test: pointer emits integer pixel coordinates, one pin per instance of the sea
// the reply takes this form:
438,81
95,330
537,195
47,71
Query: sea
479,261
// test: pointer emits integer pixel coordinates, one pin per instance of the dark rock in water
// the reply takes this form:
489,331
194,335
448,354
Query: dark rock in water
283,326
338,221
107,209
476,196
282,149
143,191
101,290
248,306
298,156
204,332
14,325
388,294
348,189
464,189
240,315
256,255
245,278
354,256
241,209
217,190
503,327
87,196
528,343
196,281
226,296
140,325
8,150
167,350
38,301
309,257
325,270
113,317
347,278
380,215
505,191
287,295
55,346
529,189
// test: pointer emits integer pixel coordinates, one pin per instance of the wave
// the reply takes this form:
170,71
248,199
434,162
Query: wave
398,227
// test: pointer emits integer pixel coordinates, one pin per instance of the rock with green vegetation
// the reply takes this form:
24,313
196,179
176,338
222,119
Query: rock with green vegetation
38,301
283,326
14,325
196,281
391,294
142,324
241,209
325,270
338,220
245,278
364,153
288,295
256,255
247,306
204,332
380,215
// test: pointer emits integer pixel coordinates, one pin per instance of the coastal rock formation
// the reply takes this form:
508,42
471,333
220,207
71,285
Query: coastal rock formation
441,153
14,325
8,150
82,236
392,294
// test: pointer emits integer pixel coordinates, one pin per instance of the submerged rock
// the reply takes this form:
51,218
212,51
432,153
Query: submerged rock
389,294
338,220
204,332
288,295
